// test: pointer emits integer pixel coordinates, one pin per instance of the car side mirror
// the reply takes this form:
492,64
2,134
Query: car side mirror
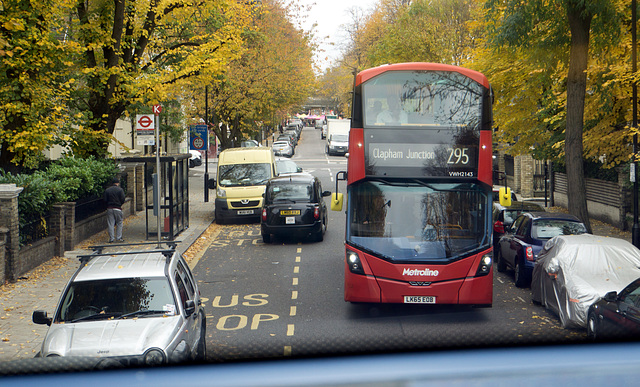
326,193
611,296
299,169
40,317
211,184
190,307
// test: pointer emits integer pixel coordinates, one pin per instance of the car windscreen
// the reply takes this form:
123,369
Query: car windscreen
116,298
548,228
233,175
415,221
289,192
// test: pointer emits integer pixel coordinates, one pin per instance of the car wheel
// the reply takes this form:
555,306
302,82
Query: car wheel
592,326
520,276
266,238
502,266
201,354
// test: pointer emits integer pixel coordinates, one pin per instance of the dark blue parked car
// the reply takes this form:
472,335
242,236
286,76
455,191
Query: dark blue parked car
521,243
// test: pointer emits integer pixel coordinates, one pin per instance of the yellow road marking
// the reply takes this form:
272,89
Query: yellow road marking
294,295
293,311
290,329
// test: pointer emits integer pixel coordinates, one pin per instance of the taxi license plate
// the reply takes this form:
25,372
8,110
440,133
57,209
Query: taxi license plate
245,212
290,220
289,212
419,299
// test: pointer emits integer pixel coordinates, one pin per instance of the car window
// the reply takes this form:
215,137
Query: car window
517,223
182,290
187,279
290,192
524,226
632,298
548,228
510,216
114,297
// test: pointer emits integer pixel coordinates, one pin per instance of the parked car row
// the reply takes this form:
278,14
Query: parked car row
588,281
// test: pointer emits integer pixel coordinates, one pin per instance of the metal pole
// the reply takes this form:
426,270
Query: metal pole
635,231
206,152
159,178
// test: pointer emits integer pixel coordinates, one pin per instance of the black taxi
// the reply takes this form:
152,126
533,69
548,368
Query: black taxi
294,206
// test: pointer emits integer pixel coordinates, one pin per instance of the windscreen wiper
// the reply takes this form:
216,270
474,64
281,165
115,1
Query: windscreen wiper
97,316
142,312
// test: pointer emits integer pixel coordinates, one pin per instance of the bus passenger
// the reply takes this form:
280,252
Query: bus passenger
393,114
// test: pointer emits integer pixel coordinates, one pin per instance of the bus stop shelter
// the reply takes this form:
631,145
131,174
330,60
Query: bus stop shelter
174,194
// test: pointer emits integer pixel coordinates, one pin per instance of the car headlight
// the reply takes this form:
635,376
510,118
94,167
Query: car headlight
154,357
221,193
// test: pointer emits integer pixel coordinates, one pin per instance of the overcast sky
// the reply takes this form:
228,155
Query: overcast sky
330,15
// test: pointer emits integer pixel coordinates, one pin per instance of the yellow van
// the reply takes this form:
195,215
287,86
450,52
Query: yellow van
240,182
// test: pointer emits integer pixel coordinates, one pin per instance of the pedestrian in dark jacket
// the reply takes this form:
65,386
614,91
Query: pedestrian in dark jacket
114,196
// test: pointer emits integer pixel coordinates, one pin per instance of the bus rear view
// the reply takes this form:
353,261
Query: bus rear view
419,187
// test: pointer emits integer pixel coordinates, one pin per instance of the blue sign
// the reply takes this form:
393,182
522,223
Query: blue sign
199,137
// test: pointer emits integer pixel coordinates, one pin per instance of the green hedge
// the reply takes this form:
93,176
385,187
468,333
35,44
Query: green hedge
64,180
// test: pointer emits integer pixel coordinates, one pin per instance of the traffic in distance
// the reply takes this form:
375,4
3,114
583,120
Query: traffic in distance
409,244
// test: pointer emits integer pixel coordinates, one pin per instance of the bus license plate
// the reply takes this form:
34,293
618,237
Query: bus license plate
245,212
419,299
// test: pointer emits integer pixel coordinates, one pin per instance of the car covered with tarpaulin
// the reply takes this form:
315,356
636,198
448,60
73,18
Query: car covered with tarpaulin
574,271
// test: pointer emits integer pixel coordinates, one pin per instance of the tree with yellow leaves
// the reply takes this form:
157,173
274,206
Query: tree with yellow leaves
34,58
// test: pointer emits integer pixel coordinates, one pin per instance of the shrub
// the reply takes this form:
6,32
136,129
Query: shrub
67,179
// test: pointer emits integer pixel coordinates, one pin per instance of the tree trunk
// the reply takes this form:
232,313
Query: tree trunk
580,23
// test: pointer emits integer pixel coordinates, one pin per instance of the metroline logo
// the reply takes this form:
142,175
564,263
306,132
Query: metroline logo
416,272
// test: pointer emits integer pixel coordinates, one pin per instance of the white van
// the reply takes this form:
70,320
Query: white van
337,137
240,182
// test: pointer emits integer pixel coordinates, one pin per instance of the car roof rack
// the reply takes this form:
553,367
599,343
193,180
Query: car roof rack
98,250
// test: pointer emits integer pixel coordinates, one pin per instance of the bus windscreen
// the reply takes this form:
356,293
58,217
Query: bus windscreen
414,221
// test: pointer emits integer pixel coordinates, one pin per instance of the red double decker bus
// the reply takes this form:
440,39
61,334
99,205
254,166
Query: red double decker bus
419,187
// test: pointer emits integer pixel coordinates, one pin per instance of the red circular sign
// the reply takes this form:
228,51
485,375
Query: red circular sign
198,143
145,121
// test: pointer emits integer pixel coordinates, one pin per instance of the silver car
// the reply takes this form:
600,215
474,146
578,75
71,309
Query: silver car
139,308
282,148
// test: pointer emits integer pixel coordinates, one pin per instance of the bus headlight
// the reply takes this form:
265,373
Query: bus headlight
353,261
485,266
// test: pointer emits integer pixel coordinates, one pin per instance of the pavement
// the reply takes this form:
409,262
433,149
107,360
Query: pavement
41,288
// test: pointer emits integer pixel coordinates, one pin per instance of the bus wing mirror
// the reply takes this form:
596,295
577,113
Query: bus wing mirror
336,201
505,196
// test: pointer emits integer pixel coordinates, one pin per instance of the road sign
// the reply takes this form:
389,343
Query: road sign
199,137
157,109
144,122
